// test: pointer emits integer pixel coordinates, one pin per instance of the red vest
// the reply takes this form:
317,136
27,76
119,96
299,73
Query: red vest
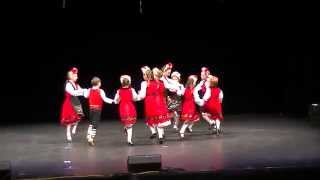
95,100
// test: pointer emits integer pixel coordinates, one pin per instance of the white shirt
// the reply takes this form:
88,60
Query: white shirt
74,92
169,84
180,90
196,92
143,90
102,94
207,96
135,96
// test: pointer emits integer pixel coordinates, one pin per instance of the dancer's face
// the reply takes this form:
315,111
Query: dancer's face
145,77
175,78
99,85
75,77
203,75
167,73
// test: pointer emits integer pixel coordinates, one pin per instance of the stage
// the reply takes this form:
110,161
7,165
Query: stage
248,141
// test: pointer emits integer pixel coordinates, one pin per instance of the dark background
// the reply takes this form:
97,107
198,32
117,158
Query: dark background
265,62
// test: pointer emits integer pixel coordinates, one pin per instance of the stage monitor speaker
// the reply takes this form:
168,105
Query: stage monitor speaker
314,113
5,170
142,163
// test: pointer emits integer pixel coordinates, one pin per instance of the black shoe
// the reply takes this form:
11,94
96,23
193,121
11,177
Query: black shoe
188,130
91,143
130,144
161,140
219,131
153,136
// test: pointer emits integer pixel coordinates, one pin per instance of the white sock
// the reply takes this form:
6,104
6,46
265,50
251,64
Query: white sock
176,119
183,128
152,129
205,117
69,133
89,131
93,133
190,125
160,132
74,129
129,134
218,123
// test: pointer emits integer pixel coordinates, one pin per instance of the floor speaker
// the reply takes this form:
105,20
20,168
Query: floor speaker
142,163
314,114
5,170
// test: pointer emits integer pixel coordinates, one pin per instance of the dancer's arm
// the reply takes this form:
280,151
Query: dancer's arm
69,88
117,98
143,90
105,99
181,91
86,93
134,95
221,96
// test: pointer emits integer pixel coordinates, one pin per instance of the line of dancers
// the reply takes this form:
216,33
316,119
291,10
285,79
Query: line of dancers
166,102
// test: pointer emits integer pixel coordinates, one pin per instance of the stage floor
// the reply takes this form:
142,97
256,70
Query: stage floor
248,141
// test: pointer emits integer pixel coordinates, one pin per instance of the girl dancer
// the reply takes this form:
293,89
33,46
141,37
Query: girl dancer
96,96
161,115
156,109
212,102
71,112
189,114
199,92
146,94
174,100
125,97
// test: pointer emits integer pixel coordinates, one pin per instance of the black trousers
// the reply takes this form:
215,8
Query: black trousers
94,117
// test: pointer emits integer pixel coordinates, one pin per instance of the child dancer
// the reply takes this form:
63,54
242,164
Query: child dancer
95,96
189,114
148,99
212,103
174,100
199,92
125,97
71,112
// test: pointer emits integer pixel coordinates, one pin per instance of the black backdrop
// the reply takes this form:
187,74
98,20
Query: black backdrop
264,66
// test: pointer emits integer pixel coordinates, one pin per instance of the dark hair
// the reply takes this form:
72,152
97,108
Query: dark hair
95,81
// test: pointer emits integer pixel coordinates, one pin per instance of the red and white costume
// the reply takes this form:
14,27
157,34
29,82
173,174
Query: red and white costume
200,89
189,113
156,110
125,97
69,114
96,98
212,104
189,110
71,111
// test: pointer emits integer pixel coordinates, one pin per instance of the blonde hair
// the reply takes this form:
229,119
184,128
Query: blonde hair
157,73
213,80
148,73
69,75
